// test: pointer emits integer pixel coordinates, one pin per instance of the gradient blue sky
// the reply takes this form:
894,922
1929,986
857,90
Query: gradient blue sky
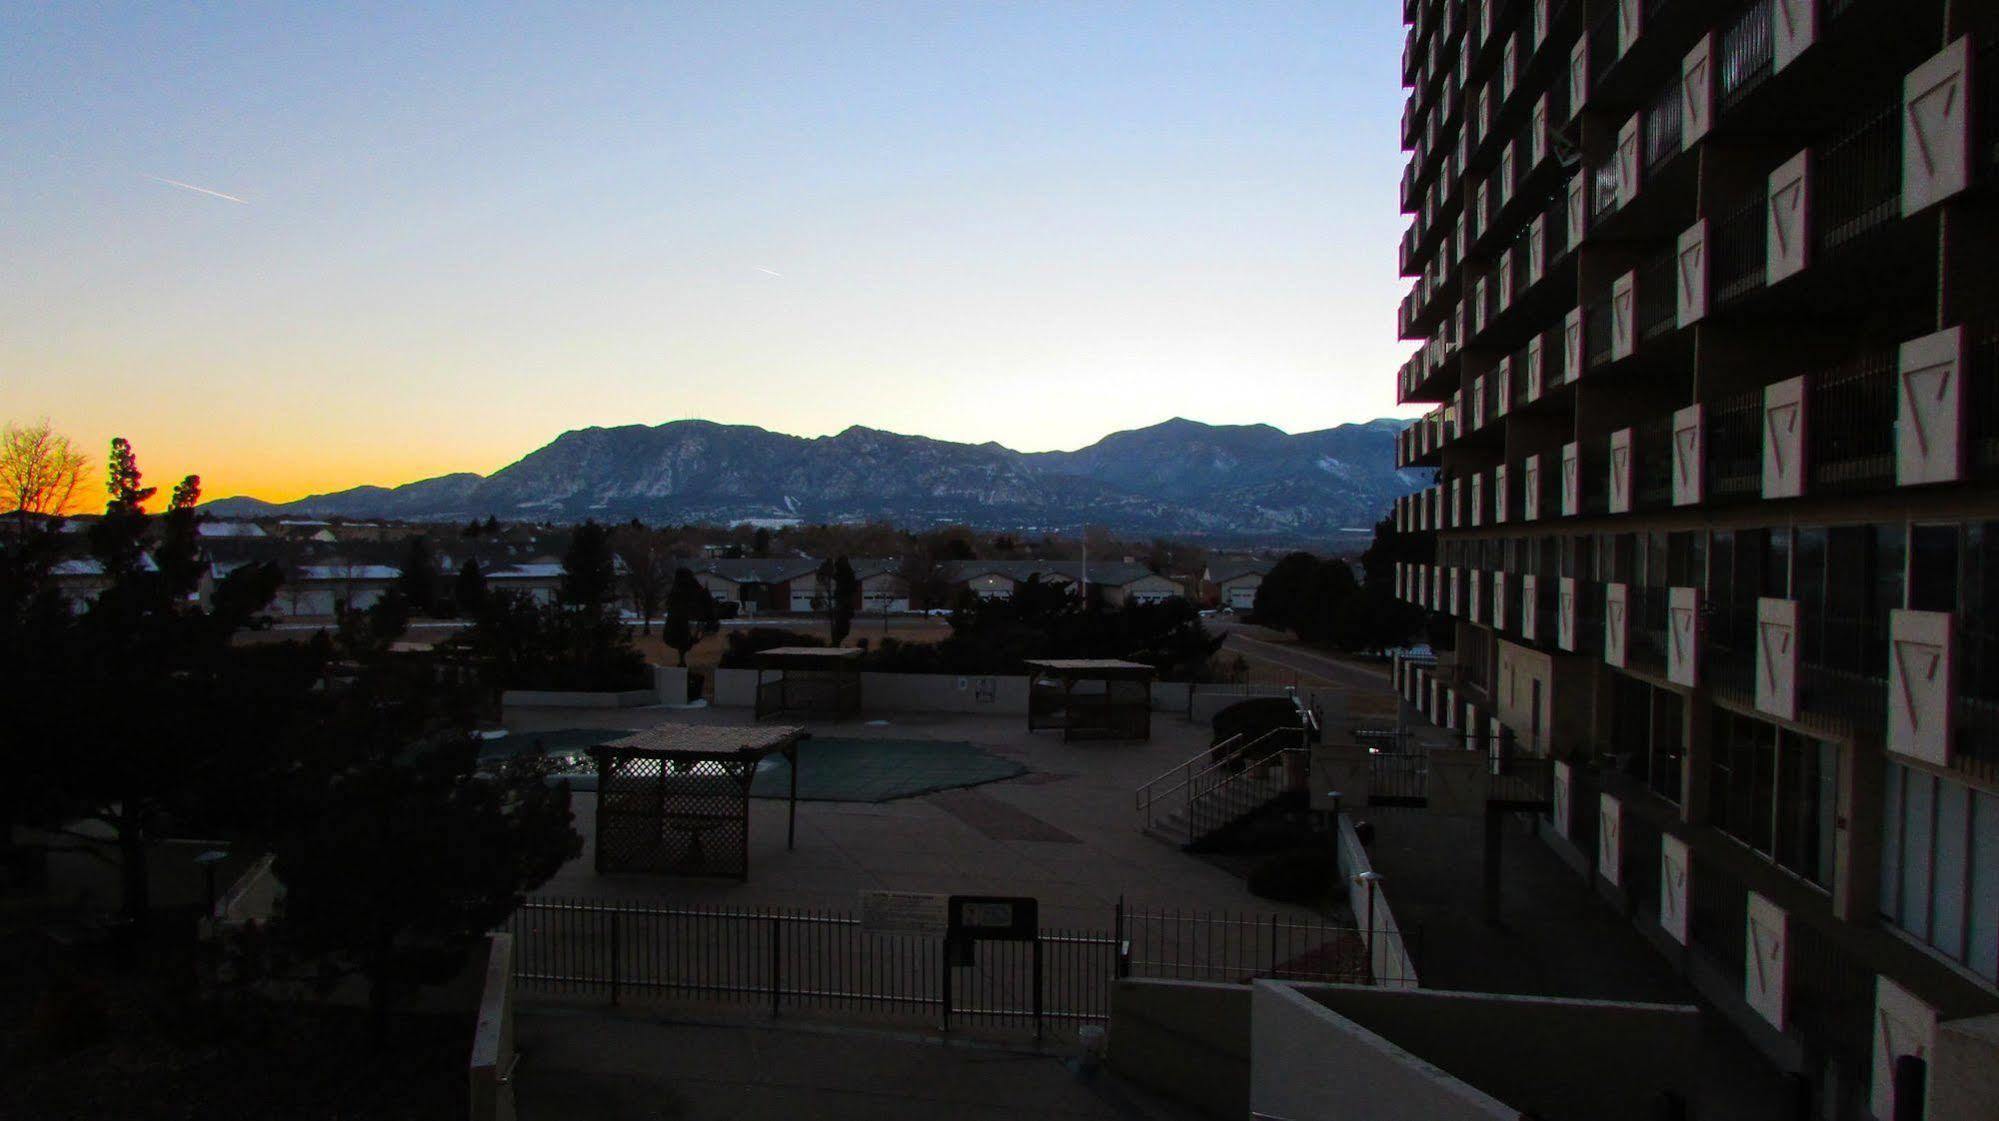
465,229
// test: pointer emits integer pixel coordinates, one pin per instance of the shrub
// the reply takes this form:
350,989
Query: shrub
1301,875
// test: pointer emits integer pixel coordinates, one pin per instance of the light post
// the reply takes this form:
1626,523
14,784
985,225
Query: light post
1369,878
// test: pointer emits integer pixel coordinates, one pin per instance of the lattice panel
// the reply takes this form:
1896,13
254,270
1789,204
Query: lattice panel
673,815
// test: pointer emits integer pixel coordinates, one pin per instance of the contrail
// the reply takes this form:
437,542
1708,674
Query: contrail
199,190
770,272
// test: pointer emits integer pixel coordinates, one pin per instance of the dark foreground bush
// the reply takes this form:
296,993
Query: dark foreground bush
1294,876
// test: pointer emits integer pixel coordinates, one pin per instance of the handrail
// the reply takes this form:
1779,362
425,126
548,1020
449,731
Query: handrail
1231,785
1145,795
1192,759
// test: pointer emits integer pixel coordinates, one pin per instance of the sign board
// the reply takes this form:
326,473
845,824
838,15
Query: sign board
1006,918
904,912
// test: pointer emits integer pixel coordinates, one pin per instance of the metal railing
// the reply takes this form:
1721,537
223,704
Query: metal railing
1652,464
1857,180
1662,127
1605,189
1735,446
1645,618
1603,46
1982,397
779,960
1182,776
1741,249
1597,332
1237,794
1517,389
1658,295
1717,913
1851,423
1745,52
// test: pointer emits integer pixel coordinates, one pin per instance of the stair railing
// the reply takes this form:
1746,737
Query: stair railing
1229,796
1181,776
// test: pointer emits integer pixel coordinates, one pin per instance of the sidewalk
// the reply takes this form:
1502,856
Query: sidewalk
606,1066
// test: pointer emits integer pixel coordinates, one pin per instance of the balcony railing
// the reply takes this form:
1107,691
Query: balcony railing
1517,390
1658,295
1982,399
1735,446
1554,361
1857,180
1604,189
1850,422
1663,126
1741,250
1745,52
1843,667
1645,617
1555,228
1596,332
1602,46
1593,483
1652,464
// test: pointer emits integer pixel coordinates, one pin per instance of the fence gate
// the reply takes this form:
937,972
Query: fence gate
801,960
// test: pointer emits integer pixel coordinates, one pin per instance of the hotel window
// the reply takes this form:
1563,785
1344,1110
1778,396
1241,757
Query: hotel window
1940,866
1776,792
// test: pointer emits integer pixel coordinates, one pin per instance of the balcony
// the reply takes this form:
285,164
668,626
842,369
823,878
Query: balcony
1646,613
1606,189
1850,411
1652,464
1982,400
1658,295
1662,128
1746,52
1734,449
1857,180
1740,250
1598,342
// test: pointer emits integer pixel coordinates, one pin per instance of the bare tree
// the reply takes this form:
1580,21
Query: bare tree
40,471
647,571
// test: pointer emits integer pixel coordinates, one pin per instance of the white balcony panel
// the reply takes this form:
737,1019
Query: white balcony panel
1690,276
1478,417
1784,423
1536,369
1577,210
1794,25
1683,636
1903,1025
1530,488
1578,76
1689,456
1767,964
1537,249
1610,839
1929,425
1565,612
1627,160
1572,482
1936,133
1616,624
1540,132
1777,657
1453,581
1529,618
1457,503
1623,316
1503,392
1475,595
1788,236
1674,865
1921,684
1620,471
1629,24
1697,91
1477,499
1561,797
1572,344
1499,510
1499,601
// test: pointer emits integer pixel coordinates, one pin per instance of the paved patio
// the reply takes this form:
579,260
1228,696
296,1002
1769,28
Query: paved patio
1065,831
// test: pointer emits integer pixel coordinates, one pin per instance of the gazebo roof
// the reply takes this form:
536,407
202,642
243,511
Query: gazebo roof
709,740
1091,667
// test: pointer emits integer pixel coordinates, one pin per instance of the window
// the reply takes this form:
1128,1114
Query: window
1777,792
1940,866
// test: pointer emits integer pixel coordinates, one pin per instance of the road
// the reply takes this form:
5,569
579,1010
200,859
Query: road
1304,660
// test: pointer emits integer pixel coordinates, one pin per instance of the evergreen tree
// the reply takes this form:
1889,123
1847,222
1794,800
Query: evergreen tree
846,590
690,613
468,591
588,572
416,577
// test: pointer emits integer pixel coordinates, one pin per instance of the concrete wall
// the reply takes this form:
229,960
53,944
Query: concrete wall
550,698
1965,1078
1312,1062
1187,1040
669,683
490,1070
1555,1058
735,688
1387,954
941,692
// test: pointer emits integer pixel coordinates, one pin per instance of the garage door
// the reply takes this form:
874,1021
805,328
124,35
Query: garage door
1242,598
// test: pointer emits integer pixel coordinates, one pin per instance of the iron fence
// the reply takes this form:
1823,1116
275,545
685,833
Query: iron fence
1605,187
1857,180
807,960
1852,423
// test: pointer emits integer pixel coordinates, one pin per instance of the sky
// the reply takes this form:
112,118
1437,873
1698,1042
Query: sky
296,248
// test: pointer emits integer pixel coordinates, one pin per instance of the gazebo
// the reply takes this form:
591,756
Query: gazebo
1113,703
820,679
675,799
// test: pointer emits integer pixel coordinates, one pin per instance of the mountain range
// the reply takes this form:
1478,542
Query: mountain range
1179,477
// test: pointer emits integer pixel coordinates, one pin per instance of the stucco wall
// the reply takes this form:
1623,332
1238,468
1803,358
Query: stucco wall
1557,1058
1312,1062
1186,1040
1965,1080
